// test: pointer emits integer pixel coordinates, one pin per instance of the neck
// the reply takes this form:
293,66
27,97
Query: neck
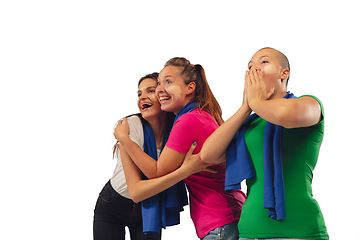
187,100
280,91
158,127
278,94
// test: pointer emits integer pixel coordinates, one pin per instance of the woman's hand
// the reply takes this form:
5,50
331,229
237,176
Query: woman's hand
193,163
122,130
255,86
245,98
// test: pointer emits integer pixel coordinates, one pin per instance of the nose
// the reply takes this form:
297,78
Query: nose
255,67
143,95
159,89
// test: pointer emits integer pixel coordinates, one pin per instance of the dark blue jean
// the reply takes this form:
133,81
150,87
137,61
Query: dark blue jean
113,213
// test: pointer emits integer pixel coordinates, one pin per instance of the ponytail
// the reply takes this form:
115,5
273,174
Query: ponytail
205,97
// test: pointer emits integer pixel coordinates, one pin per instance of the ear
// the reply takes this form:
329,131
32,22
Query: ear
284,74
191,88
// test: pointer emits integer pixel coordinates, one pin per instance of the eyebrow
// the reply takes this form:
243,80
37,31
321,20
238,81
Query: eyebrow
145,88
166,76
259,58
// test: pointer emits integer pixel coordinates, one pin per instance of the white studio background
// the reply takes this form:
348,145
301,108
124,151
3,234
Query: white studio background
69,71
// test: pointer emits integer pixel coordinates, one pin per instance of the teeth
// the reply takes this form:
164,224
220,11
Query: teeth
164,98
145,105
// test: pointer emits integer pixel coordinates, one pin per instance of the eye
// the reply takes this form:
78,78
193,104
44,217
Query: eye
139,94
167,81
265,61
151,90
250,67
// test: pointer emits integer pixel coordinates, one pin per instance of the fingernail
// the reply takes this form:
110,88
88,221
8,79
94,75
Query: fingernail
194,143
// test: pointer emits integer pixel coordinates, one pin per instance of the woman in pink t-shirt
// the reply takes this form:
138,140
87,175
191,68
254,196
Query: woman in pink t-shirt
183,89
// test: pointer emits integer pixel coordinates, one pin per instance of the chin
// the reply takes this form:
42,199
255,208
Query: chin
166,108
147,115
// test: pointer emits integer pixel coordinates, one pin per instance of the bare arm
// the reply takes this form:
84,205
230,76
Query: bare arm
168,161
141,189
214,148
289,113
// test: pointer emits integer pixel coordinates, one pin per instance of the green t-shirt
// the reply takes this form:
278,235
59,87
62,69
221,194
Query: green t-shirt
300,150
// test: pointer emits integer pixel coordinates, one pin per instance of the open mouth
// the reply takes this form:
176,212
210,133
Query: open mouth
164,99
145,106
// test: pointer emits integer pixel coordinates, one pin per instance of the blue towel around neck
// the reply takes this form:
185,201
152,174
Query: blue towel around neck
162,209
239,166
190,106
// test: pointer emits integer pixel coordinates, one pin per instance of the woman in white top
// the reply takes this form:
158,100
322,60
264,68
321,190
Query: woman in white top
114,208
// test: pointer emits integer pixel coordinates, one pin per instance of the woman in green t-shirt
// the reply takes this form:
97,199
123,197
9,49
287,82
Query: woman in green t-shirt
301,121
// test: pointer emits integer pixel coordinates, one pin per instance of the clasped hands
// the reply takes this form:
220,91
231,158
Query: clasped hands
255,87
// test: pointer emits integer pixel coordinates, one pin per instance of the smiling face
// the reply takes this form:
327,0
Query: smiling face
172,91
268,61
148,103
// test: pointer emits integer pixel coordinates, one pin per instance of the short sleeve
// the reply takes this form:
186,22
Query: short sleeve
320,103
186,130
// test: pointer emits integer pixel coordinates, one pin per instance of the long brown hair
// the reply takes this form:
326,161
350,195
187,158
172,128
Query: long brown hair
169,115
203,94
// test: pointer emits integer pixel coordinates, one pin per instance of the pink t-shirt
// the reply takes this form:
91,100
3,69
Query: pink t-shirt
210,205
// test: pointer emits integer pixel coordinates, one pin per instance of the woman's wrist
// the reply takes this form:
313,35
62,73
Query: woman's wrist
245,110
124,139
183,172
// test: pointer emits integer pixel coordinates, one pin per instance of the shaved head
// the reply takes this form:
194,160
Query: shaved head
283,60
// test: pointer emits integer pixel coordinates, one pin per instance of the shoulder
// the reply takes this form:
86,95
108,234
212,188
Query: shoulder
314,102
136,130
134,120
189,128
197,122
198,115
306,111
313,99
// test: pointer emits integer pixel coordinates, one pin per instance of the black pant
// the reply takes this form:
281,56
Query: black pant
113,212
